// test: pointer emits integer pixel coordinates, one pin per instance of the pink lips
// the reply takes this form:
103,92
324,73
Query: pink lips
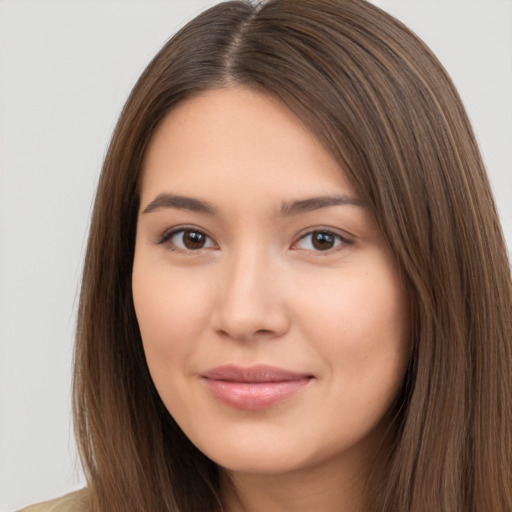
253,388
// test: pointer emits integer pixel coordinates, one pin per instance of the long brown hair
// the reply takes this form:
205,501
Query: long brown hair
381,103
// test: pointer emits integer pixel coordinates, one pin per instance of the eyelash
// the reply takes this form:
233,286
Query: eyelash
339,240
167,237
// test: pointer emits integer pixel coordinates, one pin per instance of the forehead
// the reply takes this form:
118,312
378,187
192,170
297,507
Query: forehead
238,139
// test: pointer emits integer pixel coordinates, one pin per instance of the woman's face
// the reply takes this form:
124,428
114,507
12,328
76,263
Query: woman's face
274,322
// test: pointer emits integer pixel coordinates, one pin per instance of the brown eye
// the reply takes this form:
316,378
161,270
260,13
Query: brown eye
323,241
193,240
320,241
188,240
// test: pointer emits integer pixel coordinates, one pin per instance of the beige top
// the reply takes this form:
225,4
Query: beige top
73,502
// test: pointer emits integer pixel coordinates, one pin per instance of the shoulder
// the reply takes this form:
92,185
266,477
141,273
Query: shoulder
73,502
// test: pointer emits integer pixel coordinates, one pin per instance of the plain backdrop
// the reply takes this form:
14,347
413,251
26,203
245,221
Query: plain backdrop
66,67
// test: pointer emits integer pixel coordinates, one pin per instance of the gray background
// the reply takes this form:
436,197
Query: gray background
66,68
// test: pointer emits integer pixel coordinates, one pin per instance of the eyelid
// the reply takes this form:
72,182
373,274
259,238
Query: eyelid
320,229
171,232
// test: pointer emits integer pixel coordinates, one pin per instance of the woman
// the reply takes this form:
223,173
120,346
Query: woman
296,293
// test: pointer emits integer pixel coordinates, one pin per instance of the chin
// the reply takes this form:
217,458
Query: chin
262,457
261,464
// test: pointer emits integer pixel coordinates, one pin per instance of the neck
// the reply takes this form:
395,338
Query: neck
311,489
342,483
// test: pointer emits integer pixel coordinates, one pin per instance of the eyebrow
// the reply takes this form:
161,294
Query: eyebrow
315,203
181,203
288,208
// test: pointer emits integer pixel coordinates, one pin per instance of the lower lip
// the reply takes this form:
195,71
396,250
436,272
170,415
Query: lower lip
253,396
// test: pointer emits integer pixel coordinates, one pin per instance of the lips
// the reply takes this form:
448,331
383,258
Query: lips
254,388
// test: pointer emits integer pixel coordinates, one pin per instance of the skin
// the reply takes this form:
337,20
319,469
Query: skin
259,291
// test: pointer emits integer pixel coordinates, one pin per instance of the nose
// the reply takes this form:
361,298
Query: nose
250,302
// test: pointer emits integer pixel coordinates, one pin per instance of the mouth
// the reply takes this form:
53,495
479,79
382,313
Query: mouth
254,388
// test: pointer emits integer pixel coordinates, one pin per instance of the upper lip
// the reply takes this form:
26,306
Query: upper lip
257,373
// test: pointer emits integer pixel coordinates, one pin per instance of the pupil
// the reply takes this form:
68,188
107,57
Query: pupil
193,240
323,241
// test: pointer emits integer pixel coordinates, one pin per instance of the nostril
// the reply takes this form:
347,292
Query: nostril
263,331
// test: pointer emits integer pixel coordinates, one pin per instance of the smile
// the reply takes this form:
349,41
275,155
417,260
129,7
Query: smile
253,388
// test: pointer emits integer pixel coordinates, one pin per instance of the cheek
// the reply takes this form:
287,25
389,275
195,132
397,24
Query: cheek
362,329
171,311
